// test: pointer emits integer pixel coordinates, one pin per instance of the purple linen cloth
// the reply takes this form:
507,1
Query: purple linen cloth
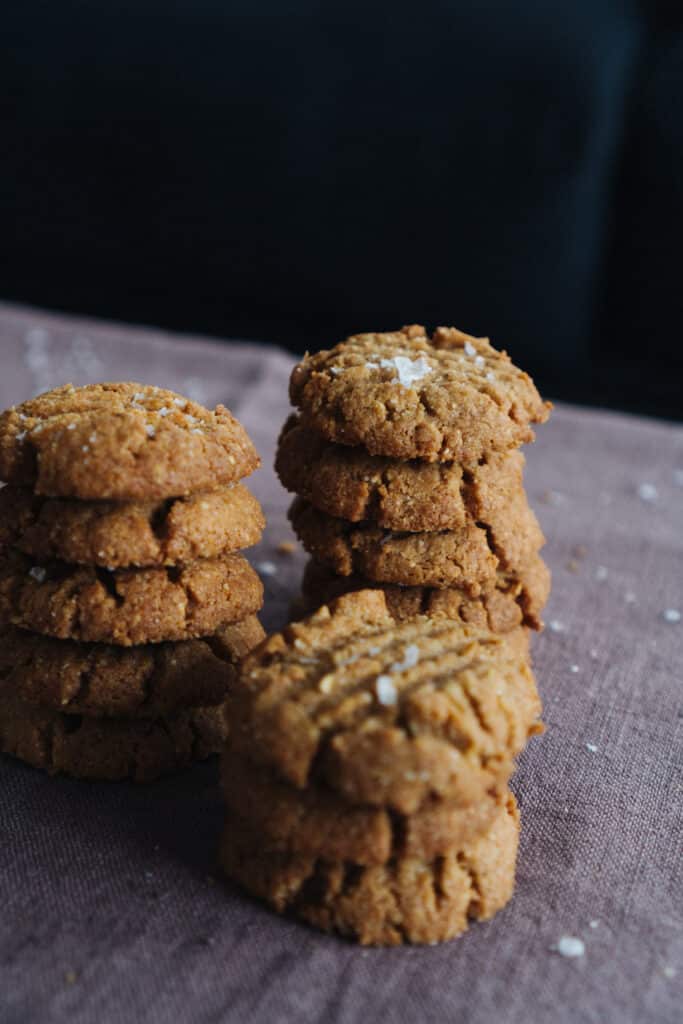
110,906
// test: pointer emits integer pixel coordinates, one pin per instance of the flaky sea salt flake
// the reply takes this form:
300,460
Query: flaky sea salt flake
411,656
556,626
150,430
470,350
385,690
37,573
592,747
601,573
408,371
671,615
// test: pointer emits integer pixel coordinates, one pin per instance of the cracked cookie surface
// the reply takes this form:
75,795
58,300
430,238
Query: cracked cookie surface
109,748
121,534
386,714
102,680
408,496
449,397
517,599
317,822
127,606
468,557
409,899
121,441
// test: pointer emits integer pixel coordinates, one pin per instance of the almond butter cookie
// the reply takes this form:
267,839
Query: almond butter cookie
447,398
408,899
121,441
127,606
411,496
102,680
467,556
386,714
120,534
141,749
517,599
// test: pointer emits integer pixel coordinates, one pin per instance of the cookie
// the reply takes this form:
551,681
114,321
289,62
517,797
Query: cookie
409,496
124,442
446,559
448,398
409,899
517,599
102,680
109,748
316,822
120,534
127,606
386,714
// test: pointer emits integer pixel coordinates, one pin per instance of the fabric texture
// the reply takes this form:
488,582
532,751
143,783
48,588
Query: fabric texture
111,908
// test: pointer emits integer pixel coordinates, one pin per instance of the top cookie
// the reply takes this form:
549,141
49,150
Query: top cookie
124,442
385,713
447,398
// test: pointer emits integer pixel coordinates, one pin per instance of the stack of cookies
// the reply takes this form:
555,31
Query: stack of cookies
404,456
124,607
366,772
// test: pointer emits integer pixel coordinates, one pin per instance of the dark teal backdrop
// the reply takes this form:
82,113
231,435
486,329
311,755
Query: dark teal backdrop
297,171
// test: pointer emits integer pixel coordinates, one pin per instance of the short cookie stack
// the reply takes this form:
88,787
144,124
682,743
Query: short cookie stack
404,459
367,767
124,607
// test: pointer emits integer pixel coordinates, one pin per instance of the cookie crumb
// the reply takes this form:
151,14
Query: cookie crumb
386,691
647,492
37,573
571,947
671,615
593,749
286,547
266,568
70,977
572,565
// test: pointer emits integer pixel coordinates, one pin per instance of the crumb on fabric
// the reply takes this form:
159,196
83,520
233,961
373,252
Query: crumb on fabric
266,568
286,547
647,492
70,977
571,947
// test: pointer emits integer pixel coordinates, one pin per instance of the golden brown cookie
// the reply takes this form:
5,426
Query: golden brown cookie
120,534
409,899
517,598
121,441
448,398
103,680
386,714
315,821
448,558
109,748
410,496
127,606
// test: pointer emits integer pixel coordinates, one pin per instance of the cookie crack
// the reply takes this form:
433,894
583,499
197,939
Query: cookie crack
476,899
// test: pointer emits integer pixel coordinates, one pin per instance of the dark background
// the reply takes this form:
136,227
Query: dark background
294,172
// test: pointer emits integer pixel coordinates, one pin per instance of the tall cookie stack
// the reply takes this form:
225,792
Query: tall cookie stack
366,772
404,459
124,607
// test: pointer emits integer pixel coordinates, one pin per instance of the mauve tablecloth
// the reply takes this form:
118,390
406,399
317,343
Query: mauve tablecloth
110,908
